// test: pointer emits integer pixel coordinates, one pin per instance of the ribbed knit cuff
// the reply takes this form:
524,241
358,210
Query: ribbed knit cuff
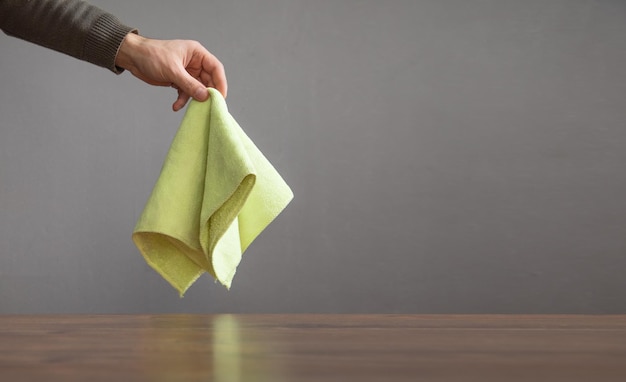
104,40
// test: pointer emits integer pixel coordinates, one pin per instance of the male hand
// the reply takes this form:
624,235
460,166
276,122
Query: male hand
182,64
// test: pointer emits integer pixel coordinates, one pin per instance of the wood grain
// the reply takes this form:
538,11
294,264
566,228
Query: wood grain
237,348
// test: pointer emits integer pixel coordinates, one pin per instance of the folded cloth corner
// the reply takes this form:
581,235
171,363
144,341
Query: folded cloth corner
216,193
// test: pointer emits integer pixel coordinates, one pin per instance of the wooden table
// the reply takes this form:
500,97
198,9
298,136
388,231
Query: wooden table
235,348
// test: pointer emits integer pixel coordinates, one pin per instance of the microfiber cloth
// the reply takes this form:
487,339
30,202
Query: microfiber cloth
215,194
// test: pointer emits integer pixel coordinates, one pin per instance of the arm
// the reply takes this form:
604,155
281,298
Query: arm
72,27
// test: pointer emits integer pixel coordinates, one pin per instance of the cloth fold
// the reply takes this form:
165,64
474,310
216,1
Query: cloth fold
216,193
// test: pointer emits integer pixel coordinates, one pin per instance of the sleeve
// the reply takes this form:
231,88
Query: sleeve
72,27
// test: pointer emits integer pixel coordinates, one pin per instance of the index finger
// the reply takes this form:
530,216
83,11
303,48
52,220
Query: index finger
217,75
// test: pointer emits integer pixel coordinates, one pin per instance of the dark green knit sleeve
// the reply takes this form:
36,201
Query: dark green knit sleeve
72,27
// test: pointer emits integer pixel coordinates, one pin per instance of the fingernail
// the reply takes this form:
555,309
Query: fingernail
201,94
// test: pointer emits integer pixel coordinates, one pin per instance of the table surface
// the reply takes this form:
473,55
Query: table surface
304,347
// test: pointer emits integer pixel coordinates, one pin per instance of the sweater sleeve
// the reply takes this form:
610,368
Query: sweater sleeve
72,27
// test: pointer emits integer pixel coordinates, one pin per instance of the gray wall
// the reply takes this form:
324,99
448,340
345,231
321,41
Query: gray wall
446,157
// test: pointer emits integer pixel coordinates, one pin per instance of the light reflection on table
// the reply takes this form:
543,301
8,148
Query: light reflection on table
235,362
217,347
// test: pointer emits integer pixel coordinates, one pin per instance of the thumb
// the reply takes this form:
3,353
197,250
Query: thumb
192,87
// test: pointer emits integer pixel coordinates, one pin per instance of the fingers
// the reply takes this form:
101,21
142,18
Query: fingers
190,85
181,101
212,73
218,78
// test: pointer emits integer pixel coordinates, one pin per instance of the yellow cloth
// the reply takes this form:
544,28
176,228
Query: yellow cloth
215,194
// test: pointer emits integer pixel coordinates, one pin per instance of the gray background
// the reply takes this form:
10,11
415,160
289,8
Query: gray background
446,157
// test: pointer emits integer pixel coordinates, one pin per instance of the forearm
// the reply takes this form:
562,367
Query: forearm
72,27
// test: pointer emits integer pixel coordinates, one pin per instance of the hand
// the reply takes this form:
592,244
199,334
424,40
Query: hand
182,64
